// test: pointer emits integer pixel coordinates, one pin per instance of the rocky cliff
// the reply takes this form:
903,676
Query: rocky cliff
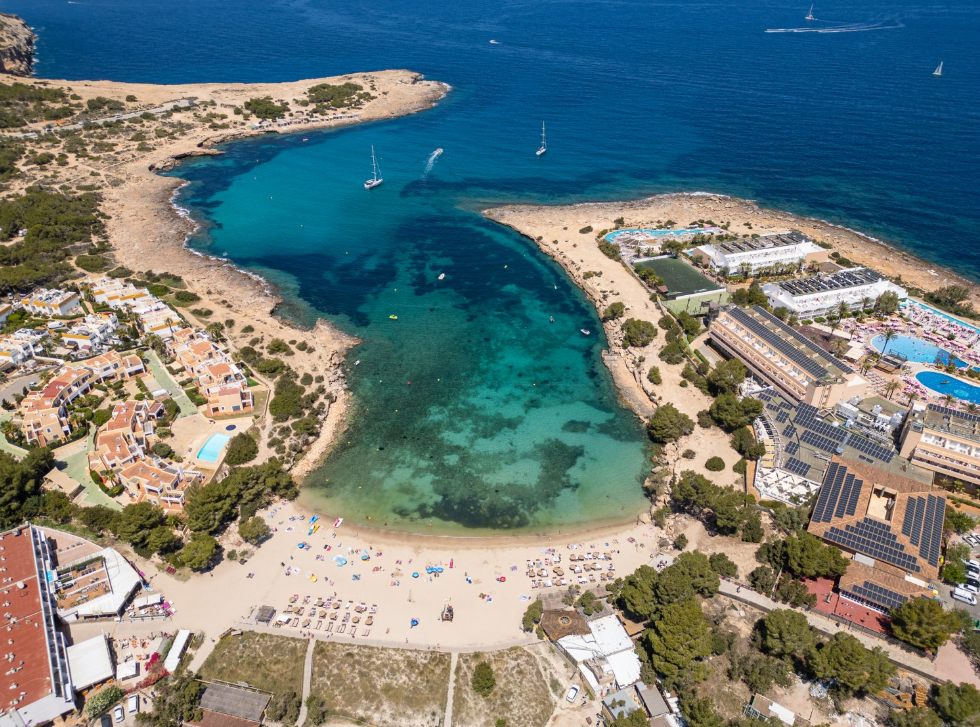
16,46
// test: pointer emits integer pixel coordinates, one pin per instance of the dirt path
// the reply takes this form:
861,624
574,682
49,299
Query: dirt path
307,682
454,661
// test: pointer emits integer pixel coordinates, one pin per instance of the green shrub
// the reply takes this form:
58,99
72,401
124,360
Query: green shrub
484,680
714,464
241,449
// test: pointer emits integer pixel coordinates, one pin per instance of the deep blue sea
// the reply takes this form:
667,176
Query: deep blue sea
509,422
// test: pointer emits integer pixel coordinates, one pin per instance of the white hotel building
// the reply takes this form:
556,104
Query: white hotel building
758,253
822,294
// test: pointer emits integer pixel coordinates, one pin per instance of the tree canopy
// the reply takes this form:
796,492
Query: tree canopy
638,333
786,633
855,668
668,424
923,623
959,705
679,640
731,413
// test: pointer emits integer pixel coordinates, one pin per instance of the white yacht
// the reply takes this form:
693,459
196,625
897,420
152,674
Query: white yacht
544,142
939,70
377,179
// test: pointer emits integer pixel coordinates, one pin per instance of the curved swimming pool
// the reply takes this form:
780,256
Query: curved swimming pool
212,448
917,350
943,384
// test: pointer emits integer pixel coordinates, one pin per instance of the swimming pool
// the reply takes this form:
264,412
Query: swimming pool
937,312
945,384
212,448
917,350
645,233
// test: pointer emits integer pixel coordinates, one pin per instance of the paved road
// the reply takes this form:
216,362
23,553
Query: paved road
16,386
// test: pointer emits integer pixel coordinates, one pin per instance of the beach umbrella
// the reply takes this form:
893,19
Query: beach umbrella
415,574
415,622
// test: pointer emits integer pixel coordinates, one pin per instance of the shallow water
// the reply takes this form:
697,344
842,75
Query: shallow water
639,97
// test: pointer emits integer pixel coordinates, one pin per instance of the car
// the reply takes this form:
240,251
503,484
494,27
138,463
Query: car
961,594
133,703
972,585
119,713
972,539
572,693
972,566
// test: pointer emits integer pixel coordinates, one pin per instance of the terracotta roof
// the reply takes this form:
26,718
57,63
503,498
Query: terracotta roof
894,520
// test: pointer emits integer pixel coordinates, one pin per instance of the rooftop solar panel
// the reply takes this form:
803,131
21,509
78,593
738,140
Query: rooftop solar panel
797,467
811,438
871,541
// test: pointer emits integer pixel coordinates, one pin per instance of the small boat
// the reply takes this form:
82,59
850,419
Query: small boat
338,522
394,318
358,362
376,179
939,69
551,318
585,331
305,139
494,42
544,142
809,15
442,276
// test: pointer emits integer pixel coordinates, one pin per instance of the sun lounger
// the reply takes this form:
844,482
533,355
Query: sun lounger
330,626
353,632
367,632
342,629
319,625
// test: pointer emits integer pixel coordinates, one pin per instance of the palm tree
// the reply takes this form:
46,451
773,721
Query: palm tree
891,388
948,399
216,331
866,303
888,335
912,395
972,408
843,310
839,347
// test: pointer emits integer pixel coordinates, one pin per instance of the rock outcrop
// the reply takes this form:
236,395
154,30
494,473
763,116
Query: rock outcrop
16,46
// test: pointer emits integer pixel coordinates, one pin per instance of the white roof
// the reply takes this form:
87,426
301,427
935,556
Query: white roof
123,580
90,662
785,716
608,640
177,650
152,600
127,670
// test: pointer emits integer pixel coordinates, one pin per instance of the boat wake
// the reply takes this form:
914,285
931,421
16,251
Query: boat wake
847,28
431,162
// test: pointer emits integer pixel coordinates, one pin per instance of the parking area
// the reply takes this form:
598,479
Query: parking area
124,714
972,585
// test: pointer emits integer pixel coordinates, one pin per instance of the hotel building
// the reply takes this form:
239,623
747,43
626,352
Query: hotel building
781,356
758,253
891,527
945,441
819,295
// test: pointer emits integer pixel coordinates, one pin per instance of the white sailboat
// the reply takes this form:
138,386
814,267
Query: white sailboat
375,180
544,142
809,15
939,70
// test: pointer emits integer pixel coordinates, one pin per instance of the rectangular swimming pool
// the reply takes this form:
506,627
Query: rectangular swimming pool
212,448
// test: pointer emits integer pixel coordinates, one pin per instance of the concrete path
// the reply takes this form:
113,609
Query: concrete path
163,377
448,721
307,682
830,626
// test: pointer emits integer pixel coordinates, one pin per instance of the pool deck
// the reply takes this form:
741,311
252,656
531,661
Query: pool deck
241,424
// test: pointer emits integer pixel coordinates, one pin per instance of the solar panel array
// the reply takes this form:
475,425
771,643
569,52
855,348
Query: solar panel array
839,494
779,342
765,395
932,528
828,283
792,448
878,594
782,417
796,466
804,341
814,439
874,539
946,411
873,450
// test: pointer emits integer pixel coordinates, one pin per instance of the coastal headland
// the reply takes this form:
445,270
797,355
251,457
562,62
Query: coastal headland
147,232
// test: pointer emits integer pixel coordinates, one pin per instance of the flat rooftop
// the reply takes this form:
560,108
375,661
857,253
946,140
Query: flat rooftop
796,347
809,441
850,278
763,242
679,277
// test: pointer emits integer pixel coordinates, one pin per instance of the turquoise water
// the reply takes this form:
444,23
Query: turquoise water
916,350
212,448
646,232
639,98
944,384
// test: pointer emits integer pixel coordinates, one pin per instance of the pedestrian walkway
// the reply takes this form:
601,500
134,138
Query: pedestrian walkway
453,662
163,377
828,625
75,457
307,682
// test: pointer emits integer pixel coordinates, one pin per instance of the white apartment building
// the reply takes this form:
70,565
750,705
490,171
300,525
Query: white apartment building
92,332
46,302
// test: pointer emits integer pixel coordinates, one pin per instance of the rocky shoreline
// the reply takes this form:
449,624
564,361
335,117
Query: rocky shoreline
16,46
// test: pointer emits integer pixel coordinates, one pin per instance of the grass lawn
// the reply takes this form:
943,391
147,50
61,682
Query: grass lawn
272,663
391,687
521,695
